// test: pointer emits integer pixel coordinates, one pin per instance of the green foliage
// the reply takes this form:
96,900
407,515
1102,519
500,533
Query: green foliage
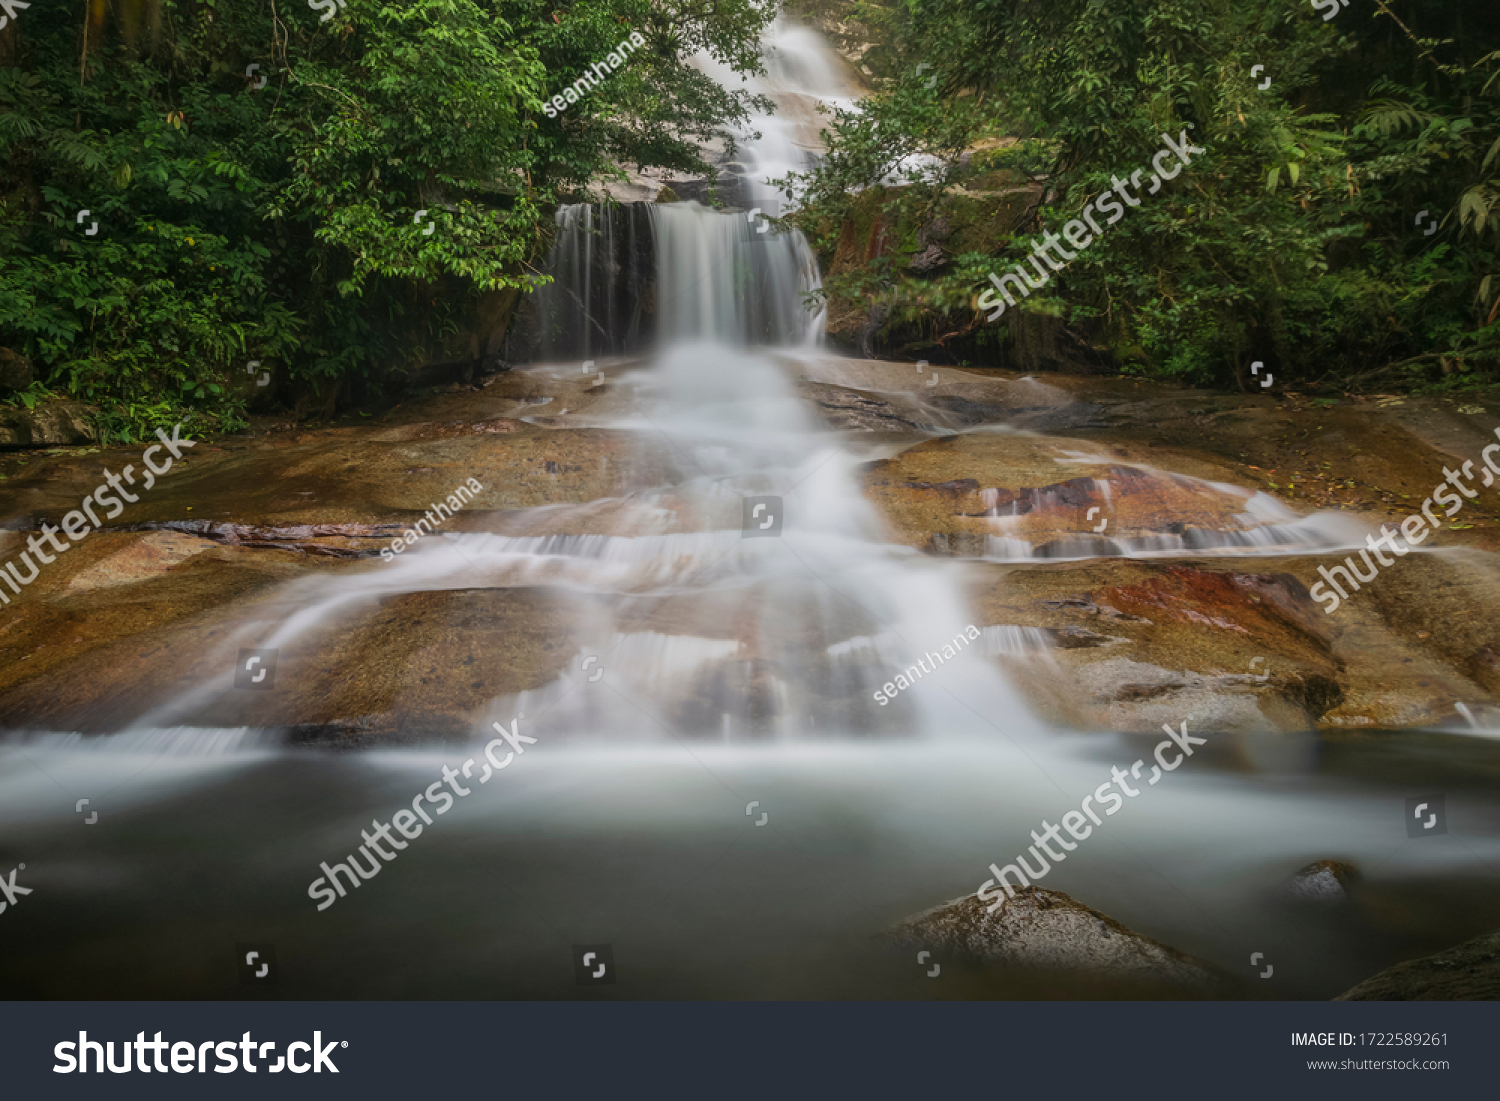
1029,157
279,223
31,397
1293,240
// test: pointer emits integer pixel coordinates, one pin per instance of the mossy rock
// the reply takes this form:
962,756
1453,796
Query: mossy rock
999,179
875,226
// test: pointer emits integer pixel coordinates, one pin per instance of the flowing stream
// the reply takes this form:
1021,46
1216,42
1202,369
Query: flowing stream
718,794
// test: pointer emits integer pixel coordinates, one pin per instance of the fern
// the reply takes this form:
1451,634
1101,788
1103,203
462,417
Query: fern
1390,116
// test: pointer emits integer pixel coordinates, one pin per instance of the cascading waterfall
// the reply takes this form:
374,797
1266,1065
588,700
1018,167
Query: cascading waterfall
600,264
805,81
824,615
729,278
629,275
793,636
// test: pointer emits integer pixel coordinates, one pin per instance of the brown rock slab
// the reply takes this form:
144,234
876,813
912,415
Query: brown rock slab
949,495
148,556
1140,643
1219,643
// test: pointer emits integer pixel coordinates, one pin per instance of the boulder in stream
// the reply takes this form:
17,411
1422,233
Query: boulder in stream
1323,882
1041,930
1470,972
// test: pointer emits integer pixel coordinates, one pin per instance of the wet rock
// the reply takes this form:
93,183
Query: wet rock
935,231
876,226
1470,972
843,408
1323,881
523,337
1127,695
1048,930
1074,637
334,540
1031,497
928,260
968,413
1396,678
92,658
368,475
493,364
1073,604
1207,639
1148,643
1036,415
410,667
146,557
939,396
56,424
1390,675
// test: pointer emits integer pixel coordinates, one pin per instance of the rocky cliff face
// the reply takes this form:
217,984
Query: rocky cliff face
883,278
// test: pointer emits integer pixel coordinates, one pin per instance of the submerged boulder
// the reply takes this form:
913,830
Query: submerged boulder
1037,929
1323,881
1470,972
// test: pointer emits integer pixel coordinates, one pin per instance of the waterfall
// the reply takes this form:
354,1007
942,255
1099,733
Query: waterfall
784,638
629,275
730,278
600,264
804,80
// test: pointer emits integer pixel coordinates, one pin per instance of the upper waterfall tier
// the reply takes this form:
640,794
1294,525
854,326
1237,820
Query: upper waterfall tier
629,276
